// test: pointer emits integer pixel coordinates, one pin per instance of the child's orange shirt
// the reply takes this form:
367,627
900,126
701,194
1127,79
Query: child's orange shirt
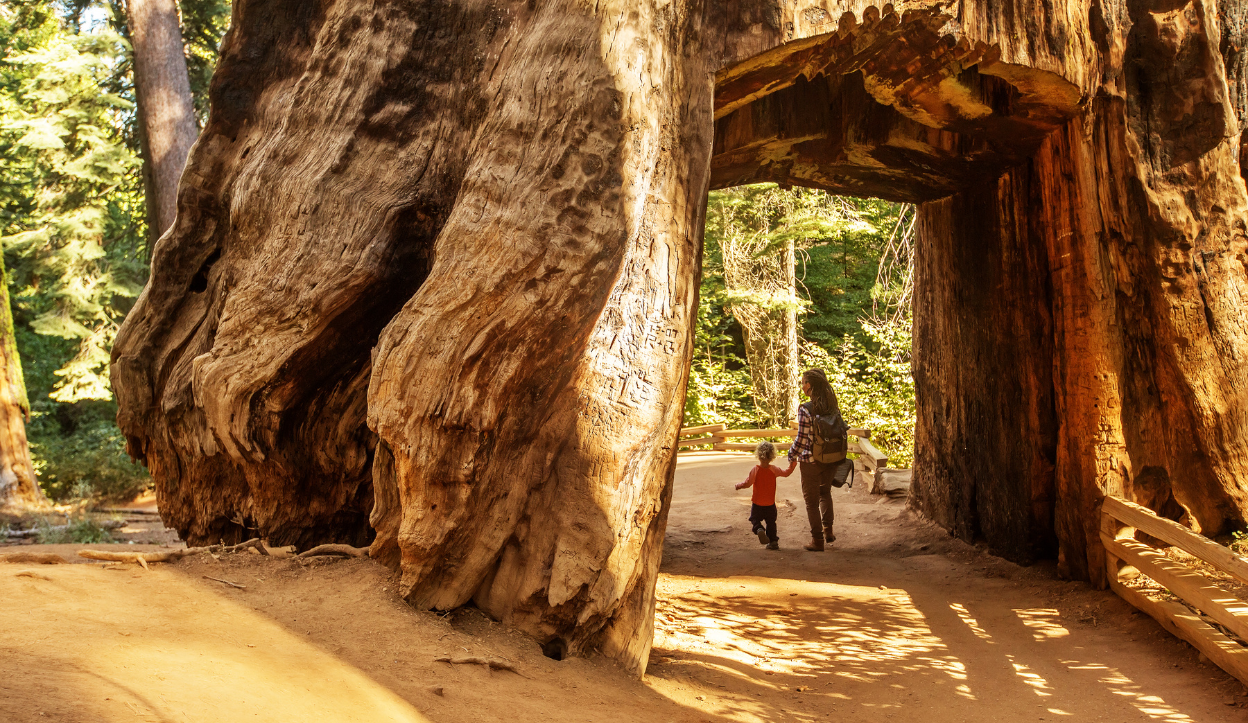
764,486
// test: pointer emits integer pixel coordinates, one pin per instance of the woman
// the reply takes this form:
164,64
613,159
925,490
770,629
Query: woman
817,478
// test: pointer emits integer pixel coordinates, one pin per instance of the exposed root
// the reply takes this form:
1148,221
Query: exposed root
143,558
32,573
38,558
491,663
254,542
341,550
226,582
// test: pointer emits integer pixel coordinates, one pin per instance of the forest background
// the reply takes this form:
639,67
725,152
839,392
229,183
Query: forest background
792,278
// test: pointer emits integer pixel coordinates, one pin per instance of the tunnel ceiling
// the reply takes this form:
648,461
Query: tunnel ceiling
890,107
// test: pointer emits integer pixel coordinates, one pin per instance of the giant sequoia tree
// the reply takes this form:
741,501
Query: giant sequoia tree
431,278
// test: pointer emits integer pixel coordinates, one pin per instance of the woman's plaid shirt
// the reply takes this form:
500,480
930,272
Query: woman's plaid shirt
804,445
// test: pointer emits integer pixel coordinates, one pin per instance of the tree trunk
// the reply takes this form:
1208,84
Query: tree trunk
791,363
166,112
437,262
433,270
19,490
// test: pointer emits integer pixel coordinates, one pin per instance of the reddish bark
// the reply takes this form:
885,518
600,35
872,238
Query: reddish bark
434,268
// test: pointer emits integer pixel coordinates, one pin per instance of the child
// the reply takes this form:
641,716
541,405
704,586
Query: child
763,479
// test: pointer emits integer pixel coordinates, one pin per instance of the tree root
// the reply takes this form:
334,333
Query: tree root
342,550
38,558
254,542
226,582
143,558
491,663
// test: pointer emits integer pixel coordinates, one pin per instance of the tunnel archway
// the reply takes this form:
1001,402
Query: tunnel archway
1041,384
904,112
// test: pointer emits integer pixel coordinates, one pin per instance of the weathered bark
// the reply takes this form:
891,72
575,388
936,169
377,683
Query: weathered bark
166,112
434,267
483,215
983,345
19,490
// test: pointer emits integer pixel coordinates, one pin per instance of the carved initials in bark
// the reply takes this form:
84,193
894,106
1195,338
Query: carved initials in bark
434,267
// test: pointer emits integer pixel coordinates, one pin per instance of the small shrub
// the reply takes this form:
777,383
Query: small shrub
874,388
82,530
90,462
1239,543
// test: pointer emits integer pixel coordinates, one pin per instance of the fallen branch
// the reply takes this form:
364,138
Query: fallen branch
39,558
254,542
226,582
342,550
143,558
491,663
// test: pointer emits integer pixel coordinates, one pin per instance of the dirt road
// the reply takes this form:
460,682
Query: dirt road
895,622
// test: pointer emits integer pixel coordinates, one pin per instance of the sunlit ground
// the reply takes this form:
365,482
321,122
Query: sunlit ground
896,623
784,649
173,653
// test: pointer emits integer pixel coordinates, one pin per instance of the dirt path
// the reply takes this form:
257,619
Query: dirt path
896,621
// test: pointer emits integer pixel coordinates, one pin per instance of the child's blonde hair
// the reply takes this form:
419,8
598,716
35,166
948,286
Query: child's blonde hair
765,451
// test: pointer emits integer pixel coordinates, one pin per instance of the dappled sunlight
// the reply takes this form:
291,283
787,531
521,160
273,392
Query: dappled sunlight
766,649
817,642
970,621
1043,623
1150,705
1038,684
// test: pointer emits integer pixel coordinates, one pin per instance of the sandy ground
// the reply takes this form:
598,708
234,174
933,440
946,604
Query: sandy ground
895,622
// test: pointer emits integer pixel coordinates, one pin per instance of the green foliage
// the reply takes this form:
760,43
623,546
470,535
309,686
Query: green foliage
73,233
77,450
1239,543
874,388
80,530
204,23
69,230
839,243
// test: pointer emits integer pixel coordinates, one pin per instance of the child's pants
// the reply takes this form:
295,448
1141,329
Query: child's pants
764,513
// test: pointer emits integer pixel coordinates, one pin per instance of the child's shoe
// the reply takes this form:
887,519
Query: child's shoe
762,535
773,545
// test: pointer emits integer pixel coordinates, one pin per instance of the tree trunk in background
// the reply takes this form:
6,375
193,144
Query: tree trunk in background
166,111
19,490
791,381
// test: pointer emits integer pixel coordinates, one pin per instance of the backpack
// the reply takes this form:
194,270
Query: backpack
831,436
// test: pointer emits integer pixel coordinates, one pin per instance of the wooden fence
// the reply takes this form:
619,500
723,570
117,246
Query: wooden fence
869,459
1210,606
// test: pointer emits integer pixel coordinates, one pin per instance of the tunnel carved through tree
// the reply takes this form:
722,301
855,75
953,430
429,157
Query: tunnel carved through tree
432,277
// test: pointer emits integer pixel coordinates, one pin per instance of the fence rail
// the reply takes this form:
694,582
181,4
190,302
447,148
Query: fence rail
717,435
1126,557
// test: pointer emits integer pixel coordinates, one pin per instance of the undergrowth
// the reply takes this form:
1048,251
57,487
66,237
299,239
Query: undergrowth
81,530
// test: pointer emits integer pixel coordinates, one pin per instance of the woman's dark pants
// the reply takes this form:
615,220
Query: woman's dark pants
817,492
